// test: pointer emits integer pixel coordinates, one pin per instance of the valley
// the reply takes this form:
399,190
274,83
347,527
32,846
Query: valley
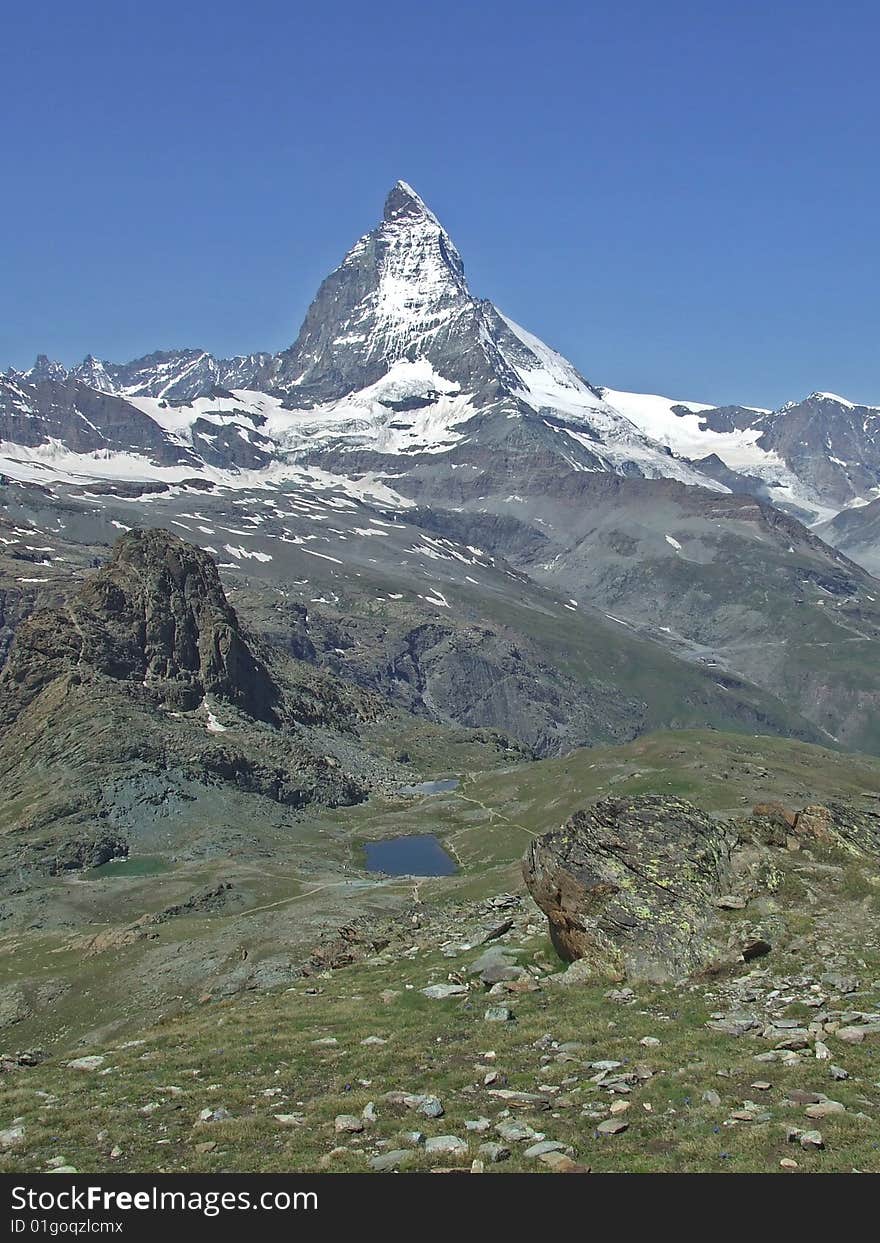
350,1067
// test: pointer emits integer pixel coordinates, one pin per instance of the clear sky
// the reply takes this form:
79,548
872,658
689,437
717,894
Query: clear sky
681,197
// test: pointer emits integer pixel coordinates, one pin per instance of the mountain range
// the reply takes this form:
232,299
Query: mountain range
416,452
396,357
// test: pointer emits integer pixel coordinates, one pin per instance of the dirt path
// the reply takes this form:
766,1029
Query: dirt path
494,815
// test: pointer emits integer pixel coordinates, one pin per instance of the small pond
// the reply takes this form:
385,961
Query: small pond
417,855
432,787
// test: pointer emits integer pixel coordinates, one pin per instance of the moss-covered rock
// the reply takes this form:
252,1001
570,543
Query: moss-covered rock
630,886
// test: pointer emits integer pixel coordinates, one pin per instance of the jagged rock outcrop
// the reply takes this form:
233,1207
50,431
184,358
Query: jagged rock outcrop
629,885
140,713
839,825
157,615
635,888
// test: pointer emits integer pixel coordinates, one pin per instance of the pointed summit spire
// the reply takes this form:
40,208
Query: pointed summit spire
402,202
46,369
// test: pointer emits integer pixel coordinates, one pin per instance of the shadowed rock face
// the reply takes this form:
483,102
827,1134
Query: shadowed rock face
157,615
629,885
856,532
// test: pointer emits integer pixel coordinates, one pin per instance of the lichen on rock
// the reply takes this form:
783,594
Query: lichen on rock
630,885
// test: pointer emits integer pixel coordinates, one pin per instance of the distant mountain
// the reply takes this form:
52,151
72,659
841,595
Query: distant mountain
856,532
397,357
414,435
813,457
175,376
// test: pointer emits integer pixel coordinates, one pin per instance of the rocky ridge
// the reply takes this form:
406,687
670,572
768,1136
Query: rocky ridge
155,615
141,700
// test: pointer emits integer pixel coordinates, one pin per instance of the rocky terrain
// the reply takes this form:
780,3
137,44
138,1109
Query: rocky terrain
111,736
611,657
434,623
453,1037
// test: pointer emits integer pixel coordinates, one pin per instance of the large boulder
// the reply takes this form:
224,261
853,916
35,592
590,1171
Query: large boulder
630,886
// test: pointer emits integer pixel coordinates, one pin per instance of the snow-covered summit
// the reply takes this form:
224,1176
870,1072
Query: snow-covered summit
399,293
398,358
402,201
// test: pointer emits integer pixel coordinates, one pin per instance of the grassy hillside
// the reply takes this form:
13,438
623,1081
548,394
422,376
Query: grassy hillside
274,1066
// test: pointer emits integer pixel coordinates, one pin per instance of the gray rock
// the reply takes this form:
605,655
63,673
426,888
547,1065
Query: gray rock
839,983
858,1032
439,992
348,1124
730,902
612,1126
447,1144
494,1152
824,1109
804,1096
582,971
430,1106
12,1137
794,1041
215,1115
93,1062
516,1132
629,884
395,1159
494,956
544,1145
498,1014
499,974
491,934
735,1024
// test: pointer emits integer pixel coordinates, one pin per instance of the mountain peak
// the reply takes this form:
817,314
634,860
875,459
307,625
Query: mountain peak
403,202
833,397
46,368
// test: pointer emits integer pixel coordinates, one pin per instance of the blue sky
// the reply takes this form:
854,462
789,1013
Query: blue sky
682,197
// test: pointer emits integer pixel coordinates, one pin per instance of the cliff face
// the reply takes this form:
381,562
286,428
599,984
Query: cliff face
156,615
